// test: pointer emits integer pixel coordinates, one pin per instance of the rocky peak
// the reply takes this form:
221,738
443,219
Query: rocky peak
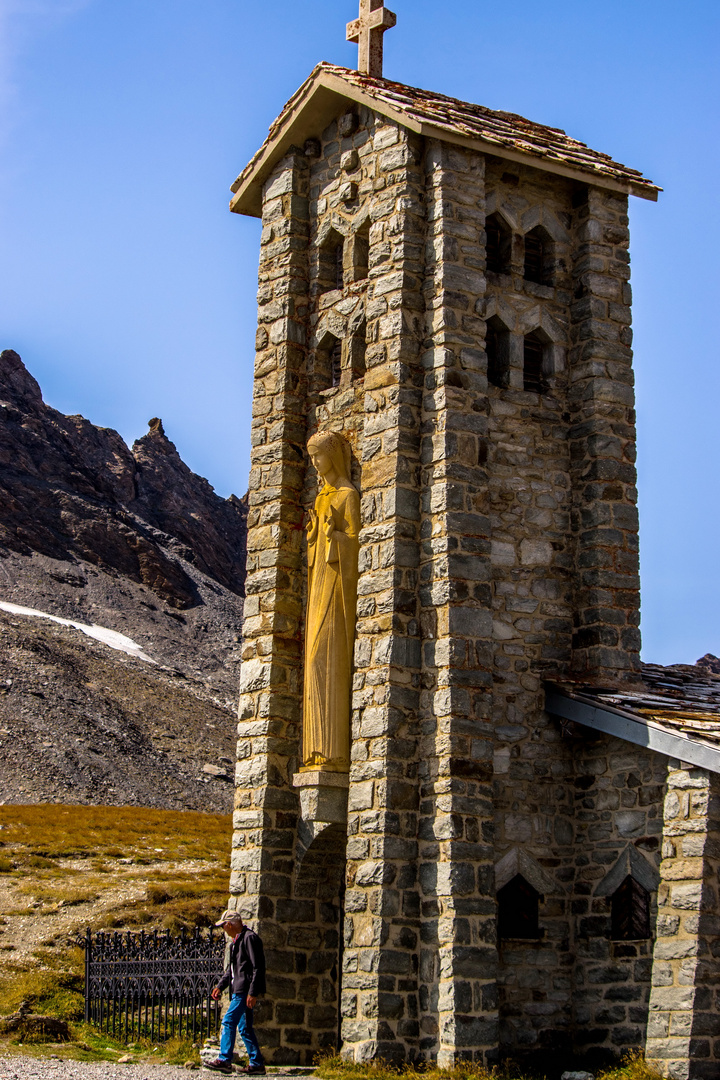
710,663
179,502
17,385
70,489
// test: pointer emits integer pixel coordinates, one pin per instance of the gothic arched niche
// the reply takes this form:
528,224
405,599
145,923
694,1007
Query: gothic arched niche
360,251
535,361
630,911
539,256
320,883
328,363
518,910
498,244
331,260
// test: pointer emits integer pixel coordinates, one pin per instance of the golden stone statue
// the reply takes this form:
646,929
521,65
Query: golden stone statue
332,535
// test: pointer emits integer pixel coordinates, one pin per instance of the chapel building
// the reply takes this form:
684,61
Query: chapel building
523,857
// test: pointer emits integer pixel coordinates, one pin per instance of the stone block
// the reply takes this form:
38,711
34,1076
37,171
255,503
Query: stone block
535,553
671,998
686,896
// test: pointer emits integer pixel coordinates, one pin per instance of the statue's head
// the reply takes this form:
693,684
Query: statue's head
330,452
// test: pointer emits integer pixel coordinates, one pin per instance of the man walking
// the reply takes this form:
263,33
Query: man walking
246,978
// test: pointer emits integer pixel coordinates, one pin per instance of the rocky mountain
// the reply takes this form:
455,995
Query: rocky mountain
130,540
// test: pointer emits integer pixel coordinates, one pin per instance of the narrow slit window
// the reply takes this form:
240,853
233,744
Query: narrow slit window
327,364
518,910
339,276
499,244
358,349
538,257
336,363
497,347
533,362
630,918
331,263
361,252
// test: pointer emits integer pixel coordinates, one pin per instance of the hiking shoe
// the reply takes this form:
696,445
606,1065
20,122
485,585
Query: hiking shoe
219,1066
254,1070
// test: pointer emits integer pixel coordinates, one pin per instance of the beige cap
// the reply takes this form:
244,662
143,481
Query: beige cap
229,916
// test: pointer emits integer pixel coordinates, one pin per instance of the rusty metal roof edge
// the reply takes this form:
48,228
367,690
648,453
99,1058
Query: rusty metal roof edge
247,188
626,725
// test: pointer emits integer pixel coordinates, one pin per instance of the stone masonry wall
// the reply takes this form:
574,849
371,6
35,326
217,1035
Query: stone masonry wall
601,401
458,955
576,813
369,178
543,499
532,557
266,806
270,704
618,798
684,1026
380,978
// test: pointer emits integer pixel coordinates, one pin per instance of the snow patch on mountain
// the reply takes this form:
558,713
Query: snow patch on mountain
99,633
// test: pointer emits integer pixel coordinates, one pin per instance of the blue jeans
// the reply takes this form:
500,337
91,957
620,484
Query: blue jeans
239,1018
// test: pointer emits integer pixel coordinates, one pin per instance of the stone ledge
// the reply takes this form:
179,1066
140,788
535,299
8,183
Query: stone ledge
318,778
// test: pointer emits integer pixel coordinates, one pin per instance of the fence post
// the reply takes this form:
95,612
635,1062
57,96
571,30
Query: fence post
88,950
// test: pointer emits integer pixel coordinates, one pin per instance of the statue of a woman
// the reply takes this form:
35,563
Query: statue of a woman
332,535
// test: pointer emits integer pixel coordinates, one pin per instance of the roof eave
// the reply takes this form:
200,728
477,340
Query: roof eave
561,701
317,104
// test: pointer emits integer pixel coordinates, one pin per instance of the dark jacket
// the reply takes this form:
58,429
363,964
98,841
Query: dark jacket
246,971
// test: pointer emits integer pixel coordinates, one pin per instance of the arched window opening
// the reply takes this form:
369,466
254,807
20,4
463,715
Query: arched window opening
331,273
630,918
497,347
539,257
498,244
358,349
518,910
533,363
328,363
361,252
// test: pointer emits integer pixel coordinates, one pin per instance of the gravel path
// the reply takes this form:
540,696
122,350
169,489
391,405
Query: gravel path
27,1068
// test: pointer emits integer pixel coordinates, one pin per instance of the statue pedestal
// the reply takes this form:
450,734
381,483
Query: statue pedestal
323,797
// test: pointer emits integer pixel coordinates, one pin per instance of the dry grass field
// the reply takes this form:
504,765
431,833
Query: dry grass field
334,1068
64,868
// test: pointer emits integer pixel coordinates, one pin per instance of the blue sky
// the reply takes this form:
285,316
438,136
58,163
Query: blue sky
129,290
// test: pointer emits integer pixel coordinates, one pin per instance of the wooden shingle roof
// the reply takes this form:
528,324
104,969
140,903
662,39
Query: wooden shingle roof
503,134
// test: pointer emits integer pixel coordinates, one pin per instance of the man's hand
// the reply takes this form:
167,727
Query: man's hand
251,999
215,993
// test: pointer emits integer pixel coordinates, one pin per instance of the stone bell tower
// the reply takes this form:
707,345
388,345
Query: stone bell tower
447,288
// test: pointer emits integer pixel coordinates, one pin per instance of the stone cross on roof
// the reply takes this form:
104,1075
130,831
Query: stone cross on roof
368,32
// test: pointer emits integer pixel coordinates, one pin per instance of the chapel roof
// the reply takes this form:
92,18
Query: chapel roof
503,134
674,710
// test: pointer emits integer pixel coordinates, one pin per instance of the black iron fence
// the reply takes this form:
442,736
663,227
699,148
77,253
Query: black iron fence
153,986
